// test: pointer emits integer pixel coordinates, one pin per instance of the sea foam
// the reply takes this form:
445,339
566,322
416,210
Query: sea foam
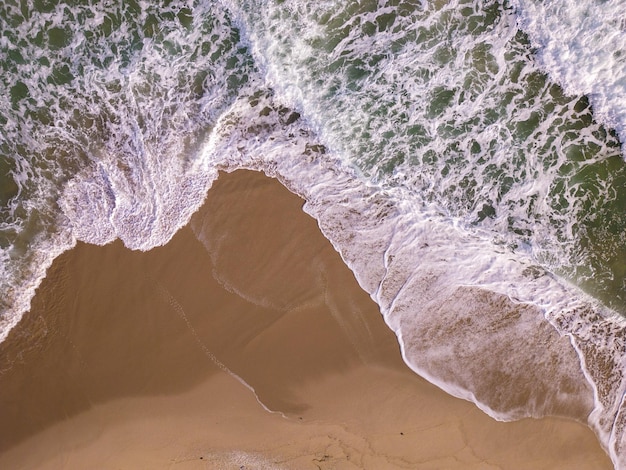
446,100
487,325
436,157
582,45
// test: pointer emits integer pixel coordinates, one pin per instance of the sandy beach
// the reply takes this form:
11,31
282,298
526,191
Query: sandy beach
245,342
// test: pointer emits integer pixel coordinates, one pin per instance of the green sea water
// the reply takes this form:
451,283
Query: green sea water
446,116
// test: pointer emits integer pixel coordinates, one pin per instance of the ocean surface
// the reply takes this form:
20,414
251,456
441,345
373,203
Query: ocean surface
466,158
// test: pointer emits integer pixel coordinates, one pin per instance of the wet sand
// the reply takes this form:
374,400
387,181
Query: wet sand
137,360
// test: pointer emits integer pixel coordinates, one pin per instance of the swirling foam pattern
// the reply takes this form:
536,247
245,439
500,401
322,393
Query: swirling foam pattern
462,155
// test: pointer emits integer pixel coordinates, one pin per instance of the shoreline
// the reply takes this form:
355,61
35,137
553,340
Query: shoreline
253,284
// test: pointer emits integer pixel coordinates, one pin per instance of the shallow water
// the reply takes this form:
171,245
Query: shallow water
446,148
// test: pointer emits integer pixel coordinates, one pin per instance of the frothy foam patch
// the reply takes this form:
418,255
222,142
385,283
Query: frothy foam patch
481,322
241,460
21,275
435,156
120,113
582,45
105,110
445,100
144,209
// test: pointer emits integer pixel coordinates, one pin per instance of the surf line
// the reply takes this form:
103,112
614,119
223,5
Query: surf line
169,299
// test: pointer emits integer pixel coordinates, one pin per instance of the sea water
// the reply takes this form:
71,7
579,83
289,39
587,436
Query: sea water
466,159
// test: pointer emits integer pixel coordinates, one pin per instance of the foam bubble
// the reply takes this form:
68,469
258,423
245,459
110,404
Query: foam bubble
437,158
582,45
107,106
480,321
447,101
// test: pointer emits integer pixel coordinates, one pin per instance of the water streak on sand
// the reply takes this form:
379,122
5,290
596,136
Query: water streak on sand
168,298
473,197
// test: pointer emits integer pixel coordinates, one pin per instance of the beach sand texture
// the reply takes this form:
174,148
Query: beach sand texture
132,360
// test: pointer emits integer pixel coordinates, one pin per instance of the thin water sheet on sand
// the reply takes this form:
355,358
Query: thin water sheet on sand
129,359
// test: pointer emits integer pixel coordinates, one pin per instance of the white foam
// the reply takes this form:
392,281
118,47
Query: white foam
465,312
408,234
582,45
115,147
428,275
501,155
19,289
